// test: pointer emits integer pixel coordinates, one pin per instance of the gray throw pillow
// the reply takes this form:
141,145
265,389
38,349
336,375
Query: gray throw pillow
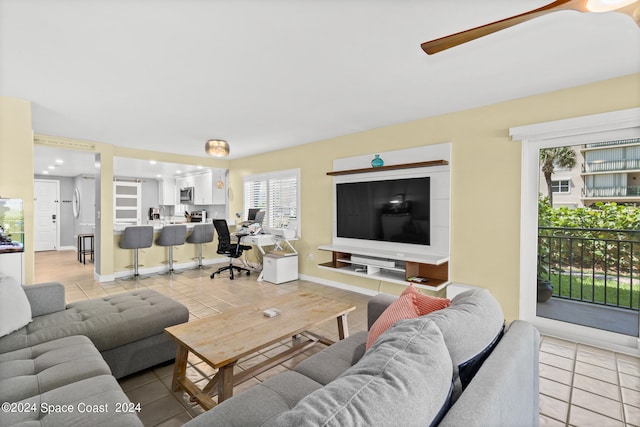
403,379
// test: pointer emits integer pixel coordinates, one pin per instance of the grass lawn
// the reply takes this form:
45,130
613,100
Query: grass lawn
587,289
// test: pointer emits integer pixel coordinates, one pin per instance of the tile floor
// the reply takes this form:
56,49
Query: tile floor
579,385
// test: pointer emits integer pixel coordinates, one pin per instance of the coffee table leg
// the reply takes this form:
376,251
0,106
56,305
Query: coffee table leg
343,327
225,382
180,367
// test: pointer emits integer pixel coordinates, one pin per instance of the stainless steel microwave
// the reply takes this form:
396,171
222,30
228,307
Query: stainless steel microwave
187,195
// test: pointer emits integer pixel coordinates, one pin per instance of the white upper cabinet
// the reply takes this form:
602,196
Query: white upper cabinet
203,188
167,192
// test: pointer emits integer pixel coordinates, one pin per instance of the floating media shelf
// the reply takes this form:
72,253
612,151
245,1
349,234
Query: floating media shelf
434,269
391,167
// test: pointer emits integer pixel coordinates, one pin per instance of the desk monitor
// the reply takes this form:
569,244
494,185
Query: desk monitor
252,214
259,217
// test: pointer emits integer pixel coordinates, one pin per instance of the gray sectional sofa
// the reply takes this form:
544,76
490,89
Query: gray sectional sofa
61,368
458,366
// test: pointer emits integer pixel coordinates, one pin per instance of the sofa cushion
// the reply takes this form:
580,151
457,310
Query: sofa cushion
399,309
109,322
471,326
426,304
90,402
260,403
332,361
44,367
408,369
402,308
15,310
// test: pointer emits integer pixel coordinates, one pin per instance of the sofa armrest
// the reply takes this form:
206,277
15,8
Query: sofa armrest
505,391
376,305
45,298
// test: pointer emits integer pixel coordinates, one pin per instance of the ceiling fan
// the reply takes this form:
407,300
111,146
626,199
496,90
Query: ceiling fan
629,7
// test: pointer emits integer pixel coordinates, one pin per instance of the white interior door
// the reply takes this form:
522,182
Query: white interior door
46,215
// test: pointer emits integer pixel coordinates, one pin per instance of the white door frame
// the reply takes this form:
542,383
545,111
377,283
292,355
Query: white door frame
57,208
623,124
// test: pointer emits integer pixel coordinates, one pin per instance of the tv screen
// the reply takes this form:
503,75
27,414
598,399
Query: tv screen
396,210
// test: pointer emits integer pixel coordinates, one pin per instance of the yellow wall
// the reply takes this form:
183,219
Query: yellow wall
485,175
16,166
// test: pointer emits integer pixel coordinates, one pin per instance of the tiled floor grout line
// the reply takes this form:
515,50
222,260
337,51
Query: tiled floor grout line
572,385
618,376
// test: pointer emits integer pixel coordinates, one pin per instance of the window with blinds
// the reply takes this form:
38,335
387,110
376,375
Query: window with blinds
278,193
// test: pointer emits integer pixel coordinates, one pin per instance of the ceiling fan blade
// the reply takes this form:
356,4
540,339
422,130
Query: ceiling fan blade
447,42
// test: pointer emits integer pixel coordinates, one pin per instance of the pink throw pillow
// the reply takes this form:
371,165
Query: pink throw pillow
411,303
402,308
425,303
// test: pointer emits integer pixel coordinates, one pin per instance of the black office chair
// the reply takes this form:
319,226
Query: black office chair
225,247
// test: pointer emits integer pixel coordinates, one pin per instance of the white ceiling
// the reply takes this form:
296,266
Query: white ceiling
167,75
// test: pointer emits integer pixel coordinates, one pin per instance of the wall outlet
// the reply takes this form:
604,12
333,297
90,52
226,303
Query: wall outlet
310,256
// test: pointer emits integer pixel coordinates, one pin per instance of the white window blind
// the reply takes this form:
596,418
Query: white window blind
278,193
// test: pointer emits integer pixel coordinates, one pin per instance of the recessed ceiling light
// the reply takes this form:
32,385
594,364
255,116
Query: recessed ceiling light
152,162
59,161
198,167
45,172
51,167
178,171
158,176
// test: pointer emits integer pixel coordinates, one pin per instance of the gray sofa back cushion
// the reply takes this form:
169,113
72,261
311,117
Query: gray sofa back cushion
471,326
109,322
404,379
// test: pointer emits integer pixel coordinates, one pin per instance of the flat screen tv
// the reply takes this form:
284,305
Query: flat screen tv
394,210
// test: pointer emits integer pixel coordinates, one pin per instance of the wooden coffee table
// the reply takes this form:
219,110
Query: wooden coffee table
221,340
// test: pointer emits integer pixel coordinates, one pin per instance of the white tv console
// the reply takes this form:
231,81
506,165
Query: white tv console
353,260
392,265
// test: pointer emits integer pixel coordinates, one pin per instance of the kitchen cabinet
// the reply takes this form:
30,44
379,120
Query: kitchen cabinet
203,188
167,192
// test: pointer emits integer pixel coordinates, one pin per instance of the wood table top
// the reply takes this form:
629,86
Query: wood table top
224,338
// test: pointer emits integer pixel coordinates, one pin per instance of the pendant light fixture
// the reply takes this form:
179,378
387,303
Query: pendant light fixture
220,182
217,148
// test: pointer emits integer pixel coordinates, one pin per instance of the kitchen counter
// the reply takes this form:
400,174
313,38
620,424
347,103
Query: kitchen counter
157,225
154,259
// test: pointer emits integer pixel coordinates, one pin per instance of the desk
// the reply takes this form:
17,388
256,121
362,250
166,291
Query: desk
263,240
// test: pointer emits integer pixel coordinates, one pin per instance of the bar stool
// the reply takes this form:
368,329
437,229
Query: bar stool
202,233
172,235
83,249
136,237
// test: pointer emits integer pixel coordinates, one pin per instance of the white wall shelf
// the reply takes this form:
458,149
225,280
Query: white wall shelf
433,268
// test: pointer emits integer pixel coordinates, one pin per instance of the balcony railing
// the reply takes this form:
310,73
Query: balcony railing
631,191
597,266
611,166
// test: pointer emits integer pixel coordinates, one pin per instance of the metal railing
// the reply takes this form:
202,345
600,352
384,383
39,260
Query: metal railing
598,266
611,165
630,191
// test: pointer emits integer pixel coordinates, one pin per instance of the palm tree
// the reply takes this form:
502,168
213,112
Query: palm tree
550,158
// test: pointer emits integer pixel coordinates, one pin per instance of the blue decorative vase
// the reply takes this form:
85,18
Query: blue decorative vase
377,161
